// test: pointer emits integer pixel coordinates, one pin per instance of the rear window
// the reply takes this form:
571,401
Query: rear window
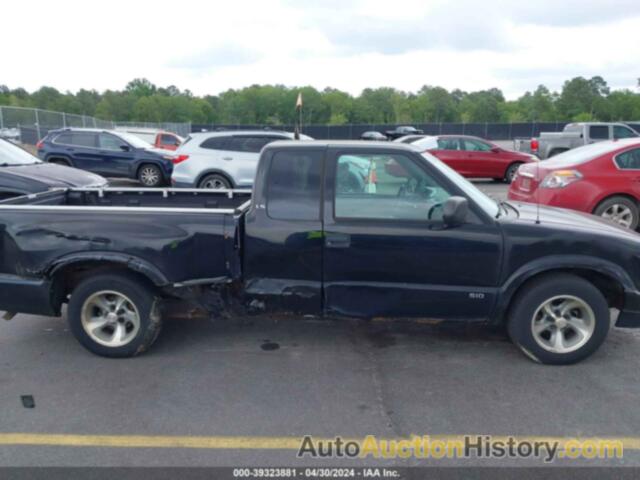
169,140
629,160
294,185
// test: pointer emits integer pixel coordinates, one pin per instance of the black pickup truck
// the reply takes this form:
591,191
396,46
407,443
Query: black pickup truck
333,229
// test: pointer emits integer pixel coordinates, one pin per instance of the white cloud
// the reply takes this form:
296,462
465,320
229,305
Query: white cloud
210,46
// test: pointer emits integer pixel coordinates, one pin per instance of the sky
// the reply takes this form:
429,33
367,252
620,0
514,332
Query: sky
210,46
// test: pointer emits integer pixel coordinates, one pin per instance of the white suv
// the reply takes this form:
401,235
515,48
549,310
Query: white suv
222,160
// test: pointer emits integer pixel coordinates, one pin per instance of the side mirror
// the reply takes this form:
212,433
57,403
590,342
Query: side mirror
125,148
454,211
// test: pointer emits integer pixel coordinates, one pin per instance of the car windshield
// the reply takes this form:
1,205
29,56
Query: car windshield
580,155
133,140
485,202
11,155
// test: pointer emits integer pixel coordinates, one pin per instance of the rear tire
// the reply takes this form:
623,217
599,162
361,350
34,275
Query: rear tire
150,175
559,319
114,315
215,181
621,210
511,172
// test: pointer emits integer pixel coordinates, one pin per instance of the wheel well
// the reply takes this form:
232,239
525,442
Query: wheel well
625,195
216,172
515,162
611,289
53,158
67,278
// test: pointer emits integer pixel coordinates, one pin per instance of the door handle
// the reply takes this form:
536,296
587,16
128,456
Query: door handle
337,240
227,158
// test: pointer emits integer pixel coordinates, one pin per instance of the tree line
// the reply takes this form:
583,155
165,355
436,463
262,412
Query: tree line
580,99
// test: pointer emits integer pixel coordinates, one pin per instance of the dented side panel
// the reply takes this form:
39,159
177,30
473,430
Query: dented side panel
165,246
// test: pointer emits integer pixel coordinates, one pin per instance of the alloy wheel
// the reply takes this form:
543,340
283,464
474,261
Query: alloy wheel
620,214
110,318
563,324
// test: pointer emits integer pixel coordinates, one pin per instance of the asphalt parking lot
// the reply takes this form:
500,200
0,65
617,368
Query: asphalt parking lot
244,393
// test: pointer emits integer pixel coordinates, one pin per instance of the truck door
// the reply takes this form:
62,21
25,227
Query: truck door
282,261
386,252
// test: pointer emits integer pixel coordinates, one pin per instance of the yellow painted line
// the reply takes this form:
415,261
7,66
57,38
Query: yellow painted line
250,443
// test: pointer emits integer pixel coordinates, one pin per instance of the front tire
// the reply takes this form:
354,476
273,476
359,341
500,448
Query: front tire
150,175
621,210
114,315
559,319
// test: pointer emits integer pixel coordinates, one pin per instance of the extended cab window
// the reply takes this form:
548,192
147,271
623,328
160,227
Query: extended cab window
623,132
629,160
294,185
599,132
386,187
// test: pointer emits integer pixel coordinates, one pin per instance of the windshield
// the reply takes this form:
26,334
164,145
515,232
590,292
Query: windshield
485,202
12,155
580,155
133,140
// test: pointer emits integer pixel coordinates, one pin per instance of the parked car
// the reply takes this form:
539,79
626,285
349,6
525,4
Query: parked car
602,178
157,138
402,131
108,153
12,134
475,157
573,135
21,173
424,243
223,160
373,135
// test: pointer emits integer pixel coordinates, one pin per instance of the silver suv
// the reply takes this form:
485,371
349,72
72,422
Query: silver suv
222,160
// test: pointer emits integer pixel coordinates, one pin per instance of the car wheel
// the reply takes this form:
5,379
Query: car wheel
559,319
114,315
511,172
215,181
150,175
621,210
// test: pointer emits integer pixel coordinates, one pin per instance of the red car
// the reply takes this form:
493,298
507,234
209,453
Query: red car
602,178
475,157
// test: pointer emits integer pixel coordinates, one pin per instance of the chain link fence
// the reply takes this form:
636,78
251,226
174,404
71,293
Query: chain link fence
30,125
490,131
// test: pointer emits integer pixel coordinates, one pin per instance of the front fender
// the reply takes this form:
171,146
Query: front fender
558,263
